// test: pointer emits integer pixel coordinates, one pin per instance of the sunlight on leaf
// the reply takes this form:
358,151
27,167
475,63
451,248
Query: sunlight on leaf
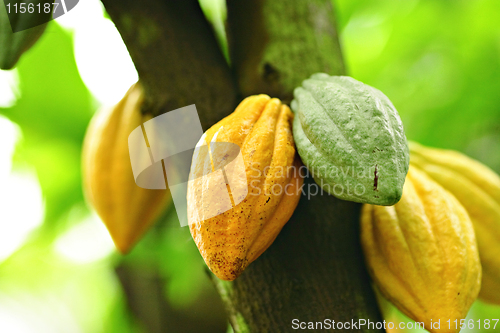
9,88
9,134
101,56
23,313
21,203
366,37
85,242
216,12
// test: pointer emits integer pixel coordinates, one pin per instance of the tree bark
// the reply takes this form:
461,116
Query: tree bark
177,56
315,269
144,290
275,45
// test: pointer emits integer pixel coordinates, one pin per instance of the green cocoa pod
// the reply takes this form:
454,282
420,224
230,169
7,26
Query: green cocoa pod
351,138
19,31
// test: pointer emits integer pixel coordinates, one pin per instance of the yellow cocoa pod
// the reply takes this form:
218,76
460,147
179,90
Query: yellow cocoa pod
126,209
231,240
478,189
422,254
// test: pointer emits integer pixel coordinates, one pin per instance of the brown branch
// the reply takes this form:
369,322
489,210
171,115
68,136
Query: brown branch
144,288
177,56
275,45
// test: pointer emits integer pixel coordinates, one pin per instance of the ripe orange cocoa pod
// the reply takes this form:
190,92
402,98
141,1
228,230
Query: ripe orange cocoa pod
126,209
230,239
422,253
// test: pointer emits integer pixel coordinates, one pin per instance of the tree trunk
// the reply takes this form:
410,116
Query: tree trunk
315,268
177,56
276,44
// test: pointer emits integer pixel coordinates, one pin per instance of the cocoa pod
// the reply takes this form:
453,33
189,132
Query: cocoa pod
477,187
351,138
422,253
230,240
126,209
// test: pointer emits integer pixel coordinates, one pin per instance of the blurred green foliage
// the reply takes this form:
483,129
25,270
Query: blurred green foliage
438,61
53,112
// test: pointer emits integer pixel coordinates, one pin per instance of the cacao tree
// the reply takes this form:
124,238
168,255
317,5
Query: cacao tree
432,255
